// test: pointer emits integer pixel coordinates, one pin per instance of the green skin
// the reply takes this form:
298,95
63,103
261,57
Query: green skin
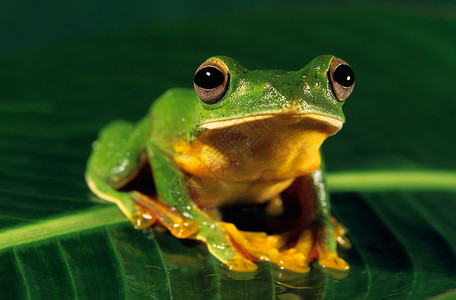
179,114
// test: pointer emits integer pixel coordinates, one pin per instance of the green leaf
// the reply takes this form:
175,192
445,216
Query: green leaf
391,169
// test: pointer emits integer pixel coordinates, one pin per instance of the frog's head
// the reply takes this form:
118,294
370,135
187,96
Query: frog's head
231,95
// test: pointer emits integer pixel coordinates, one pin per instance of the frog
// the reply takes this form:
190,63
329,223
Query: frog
238,137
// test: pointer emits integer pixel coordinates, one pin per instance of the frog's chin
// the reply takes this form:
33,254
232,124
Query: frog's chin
332,123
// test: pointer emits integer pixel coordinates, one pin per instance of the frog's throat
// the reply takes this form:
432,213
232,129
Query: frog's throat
220,124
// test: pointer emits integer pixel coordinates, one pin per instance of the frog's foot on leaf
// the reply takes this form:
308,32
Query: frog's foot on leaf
258,246
309,246
330,260
296,259
321,250
312,244
224,248
149,211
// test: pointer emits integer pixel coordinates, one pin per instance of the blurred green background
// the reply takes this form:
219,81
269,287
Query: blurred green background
401,53
69,67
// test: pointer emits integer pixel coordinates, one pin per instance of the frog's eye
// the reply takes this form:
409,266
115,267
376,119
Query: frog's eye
211,81
342,79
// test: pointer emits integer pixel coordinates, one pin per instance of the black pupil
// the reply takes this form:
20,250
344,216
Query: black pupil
344,76
208,78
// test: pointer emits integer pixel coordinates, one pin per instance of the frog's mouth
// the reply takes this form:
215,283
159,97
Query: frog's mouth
331,124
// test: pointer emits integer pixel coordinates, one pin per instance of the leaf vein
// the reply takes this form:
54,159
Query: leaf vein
65,260
119,261
22,271
165,270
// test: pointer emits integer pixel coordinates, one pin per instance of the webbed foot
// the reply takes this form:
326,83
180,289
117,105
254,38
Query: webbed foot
311,244
259,246
328,258
150,211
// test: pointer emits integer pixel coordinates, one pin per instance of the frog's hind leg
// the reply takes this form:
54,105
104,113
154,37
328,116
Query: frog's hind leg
118,155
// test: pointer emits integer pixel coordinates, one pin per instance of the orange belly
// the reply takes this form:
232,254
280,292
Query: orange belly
209,193
251,162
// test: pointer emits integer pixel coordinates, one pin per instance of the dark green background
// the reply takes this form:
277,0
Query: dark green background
67,68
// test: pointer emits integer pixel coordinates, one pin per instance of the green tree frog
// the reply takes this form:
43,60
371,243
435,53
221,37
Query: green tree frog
238,137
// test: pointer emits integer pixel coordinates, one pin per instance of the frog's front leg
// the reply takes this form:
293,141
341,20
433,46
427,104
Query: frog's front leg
321,238
172,190
314,235
118,155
